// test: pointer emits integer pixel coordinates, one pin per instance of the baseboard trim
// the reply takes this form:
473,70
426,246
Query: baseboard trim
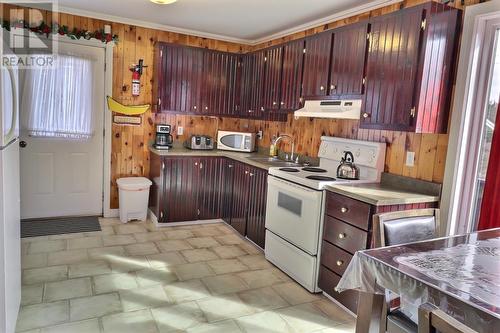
111,213
154,219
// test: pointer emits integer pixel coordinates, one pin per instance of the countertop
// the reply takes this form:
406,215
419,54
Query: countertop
247,158
391,190
379,194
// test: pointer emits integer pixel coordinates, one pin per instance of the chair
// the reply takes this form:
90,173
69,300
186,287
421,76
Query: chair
405,226
396,228
431,320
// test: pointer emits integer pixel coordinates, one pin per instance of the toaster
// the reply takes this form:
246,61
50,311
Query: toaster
199,142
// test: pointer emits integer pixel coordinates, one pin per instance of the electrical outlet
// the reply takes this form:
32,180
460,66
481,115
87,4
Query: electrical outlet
410,158
259,135
180,130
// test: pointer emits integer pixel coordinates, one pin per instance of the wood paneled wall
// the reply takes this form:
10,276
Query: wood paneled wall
130,155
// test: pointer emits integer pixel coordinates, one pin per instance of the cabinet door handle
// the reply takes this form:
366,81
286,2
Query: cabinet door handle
339,262
246,172
195,163
333,87
342,235
201,165
366,115
344,209
163,165
251,174
195,107
230,166
321,88
282,103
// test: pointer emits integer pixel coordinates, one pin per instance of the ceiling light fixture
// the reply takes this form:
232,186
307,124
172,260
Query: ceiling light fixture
163,2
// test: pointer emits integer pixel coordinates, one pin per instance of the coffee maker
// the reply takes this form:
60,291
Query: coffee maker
164,139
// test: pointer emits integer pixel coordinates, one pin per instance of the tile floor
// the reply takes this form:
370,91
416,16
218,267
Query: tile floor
138,278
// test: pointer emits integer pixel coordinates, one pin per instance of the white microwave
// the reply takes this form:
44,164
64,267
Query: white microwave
236,141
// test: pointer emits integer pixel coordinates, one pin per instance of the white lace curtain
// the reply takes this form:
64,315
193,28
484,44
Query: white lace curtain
57,100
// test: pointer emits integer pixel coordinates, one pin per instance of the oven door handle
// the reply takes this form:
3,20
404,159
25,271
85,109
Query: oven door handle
289,186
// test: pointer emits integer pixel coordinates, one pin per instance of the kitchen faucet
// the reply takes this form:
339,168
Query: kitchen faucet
281,137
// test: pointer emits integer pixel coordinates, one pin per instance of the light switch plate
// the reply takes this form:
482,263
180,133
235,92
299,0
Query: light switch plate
410,158
180,130
259,135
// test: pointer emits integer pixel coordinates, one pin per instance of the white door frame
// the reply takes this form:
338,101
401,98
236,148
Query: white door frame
466,122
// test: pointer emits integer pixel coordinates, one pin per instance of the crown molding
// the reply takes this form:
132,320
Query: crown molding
250,42
325,20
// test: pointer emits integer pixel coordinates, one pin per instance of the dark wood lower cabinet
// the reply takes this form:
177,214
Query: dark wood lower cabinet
256,230
227,190
202,188
248,203
180,193
347,229
211,187
239,200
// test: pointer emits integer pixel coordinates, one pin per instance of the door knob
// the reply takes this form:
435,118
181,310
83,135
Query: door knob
22,144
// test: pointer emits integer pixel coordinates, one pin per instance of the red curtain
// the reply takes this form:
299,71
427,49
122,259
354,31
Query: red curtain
490,207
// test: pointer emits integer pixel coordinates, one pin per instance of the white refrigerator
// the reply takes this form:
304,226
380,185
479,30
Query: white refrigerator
10,241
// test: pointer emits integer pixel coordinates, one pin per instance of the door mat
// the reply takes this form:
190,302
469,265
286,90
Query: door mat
57,226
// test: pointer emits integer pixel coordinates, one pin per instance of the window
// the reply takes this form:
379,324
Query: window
472,121
488,126
58,99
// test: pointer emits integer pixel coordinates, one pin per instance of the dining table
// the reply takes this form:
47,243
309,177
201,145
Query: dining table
458,274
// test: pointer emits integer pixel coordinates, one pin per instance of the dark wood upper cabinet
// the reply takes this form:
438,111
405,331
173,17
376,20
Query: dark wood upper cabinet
438,59
272,78
409,66
252,84
317,65
392,69
403,72
179,73
291,80
220,76
348,57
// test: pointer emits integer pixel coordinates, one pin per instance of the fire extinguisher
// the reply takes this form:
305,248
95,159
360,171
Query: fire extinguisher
136,77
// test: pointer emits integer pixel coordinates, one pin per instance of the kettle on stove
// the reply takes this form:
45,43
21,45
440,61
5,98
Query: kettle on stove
347,169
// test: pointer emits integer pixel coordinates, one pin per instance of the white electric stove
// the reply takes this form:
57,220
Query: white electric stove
296,201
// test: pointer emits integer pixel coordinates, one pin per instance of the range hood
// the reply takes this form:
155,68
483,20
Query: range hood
340,109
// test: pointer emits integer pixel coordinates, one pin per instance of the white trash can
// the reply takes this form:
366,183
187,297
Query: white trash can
133,194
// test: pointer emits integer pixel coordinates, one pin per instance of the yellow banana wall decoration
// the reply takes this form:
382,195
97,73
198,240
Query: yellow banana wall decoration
131,110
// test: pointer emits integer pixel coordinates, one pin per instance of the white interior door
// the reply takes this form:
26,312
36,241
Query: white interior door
64,176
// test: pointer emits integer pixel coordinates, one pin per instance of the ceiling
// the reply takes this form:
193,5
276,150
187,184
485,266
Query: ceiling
249,21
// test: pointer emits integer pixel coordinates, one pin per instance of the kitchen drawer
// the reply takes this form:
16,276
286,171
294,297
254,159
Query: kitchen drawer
334,258
344,235
328,280
349,210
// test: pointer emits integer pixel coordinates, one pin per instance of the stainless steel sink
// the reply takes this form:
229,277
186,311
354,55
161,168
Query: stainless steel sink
272,161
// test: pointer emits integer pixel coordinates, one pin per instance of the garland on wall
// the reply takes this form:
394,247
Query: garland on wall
63,30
